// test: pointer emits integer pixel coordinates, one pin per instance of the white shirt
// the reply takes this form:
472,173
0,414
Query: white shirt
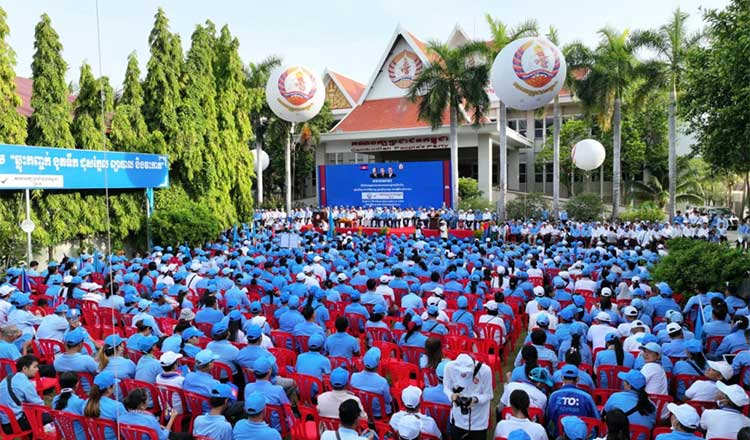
597,333
480,386
535,430
656,378
344,434
702,390
5,307
427,423
723,423
631,342
386,292
537,399
586,284
552,320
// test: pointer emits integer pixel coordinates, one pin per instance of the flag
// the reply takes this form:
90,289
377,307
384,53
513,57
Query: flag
25,286
699,320
235,235
98,265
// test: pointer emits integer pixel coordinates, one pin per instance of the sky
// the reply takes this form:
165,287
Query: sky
347,36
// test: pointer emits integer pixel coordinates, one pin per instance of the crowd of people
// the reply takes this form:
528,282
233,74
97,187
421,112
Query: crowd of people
355,336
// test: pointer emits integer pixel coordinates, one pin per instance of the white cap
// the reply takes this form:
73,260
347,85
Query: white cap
538,291
195,266
317,259
630,311
686,415
564,274
90,286
606,291
673,327
411,396
67,279
300,276
168,358
635,278
450,255
638,323
342,277
6,289
307,269
490,305
603,316
723,368
735,393
384,278
409,427
163,269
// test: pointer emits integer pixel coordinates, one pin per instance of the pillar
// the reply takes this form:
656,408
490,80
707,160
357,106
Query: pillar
320,159
513,161
484,162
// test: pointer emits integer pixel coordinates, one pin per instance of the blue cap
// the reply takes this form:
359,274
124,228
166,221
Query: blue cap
651,346
254,332
130,298
540,374
568,312
146,343
113,340
76,280
220,327
232,303
664,289
379,309
223,390
293,302
518,434
144,304
255,403
73,314
574,428
462,302
20,299
569,372
255,307
339,377
647,339
432,310
205,357
62,308
694,346
542,320
354,296
191,332
234,315
262,365
634,377
315,341
544,302
610,337
105,379
372,358
638,293
75,336
157,294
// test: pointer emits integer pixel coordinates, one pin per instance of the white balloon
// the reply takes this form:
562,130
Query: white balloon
528,73
295,93
264,159
588,154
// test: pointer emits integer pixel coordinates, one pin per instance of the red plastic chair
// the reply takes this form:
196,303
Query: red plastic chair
712,343
412,354
329,423
166,325
174,398
205,327
458,329
594,427
286,359
403,374
441,412
308,387
137,432
249,375
285,417
379,334
306,427
221,371
34,416
282,339
47,350
66,423
385,431
535,414
7,367
97,427
601,395
430,377
196,404
610,372
301,345
661,401
639,432
368,400
388,349
128,385
356,322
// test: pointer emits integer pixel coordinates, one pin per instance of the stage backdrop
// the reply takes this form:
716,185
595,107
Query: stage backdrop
400,184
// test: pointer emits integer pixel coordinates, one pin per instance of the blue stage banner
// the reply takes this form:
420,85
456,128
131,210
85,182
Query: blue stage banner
400,184
58,168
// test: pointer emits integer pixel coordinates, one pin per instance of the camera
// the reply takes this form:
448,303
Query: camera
462,402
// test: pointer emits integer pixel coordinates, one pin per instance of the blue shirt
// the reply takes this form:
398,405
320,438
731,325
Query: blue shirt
417,339
627,400
199,382
77,362
314,364
583,378
732,342
435,394
687,367
121,367
25,392
208,315
569,401
215,427
145,419
274,395
375,383
342,345
464,317
675,435
254,430
226,351
289,320
172,343
9,351
148,368
52,327
109,409
609,357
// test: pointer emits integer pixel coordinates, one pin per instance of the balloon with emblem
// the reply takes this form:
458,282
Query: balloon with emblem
528,73
295,93
264,159
588,154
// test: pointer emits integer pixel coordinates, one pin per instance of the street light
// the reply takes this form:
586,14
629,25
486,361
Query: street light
28,226
259,132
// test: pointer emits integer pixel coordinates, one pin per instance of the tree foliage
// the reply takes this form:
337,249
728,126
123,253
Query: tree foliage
527,206
585,207
182,220
12,124
128,131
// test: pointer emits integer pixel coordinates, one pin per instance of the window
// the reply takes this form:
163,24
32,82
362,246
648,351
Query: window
330,158
538,128
521,173
538,173
548,170
521,127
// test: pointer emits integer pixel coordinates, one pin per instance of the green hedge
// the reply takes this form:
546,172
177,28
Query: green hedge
696,264
184,220
586,207
526,206
647,211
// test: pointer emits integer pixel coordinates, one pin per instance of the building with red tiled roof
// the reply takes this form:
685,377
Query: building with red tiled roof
23,88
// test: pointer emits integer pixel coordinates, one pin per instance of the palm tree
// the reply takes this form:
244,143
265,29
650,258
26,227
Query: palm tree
501,36
454,81
689,188
612,70
671,42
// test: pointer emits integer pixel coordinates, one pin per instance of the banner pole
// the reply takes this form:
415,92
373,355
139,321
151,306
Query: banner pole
28,233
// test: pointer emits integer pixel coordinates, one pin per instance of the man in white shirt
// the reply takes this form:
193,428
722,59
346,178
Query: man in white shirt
5,306
317,268
599,330
726,421
537,398
637,330
192,280
653,371
465,377
410,397
705,390
310,278
386,291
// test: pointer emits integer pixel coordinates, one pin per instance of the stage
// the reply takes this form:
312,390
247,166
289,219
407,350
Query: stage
429,233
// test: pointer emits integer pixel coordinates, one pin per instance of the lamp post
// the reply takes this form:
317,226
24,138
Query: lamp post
28,226
260,130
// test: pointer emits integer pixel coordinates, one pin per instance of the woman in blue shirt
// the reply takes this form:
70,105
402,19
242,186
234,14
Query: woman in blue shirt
613,355
694,365
68,401
100,403
633,401
111,358
138,415
413,337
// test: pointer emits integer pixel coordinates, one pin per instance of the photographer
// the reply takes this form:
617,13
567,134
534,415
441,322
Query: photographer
468,384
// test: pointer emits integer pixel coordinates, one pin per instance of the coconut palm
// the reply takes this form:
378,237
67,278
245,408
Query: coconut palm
671,42
689,188
501,36
454,82
612,71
